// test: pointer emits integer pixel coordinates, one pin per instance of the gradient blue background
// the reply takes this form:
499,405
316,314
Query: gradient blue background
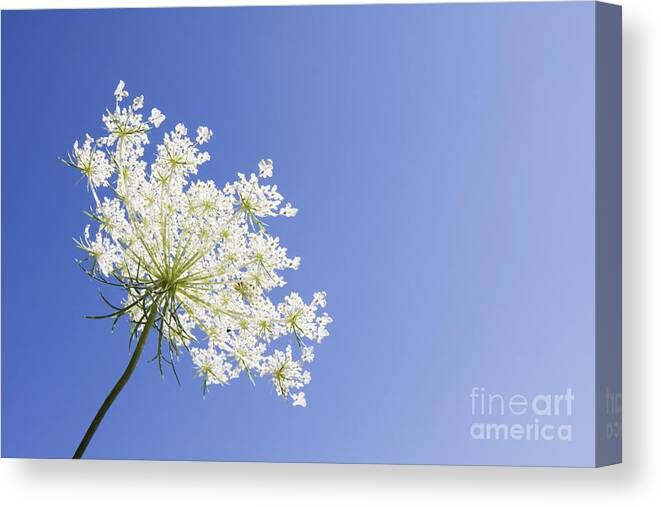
442,158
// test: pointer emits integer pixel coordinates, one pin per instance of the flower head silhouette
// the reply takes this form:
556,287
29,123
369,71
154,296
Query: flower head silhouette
195,262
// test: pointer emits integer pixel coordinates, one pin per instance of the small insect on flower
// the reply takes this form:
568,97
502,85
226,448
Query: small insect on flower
195,262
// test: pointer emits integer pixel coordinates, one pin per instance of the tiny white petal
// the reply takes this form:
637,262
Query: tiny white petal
299,399
120,93
265,168
203,135
156,117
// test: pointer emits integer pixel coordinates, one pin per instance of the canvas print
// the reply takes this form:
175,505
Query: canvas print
355,234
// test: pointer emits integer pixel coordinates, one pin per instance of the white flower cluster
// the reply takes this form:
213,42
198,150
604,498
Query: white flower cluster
195,261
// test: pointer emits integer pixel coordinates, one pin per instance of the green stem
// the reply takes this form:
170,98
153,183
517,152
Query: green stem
151,318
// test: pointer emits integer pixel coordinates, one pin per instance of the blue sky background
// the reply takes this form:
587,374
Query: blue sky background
442,158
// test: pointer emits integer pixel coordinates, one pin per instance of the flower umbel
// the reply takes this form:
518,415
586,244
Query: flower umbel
194,262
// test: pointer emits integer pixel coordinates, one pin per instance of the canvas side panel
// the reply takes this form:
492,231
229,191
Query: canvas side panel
608,234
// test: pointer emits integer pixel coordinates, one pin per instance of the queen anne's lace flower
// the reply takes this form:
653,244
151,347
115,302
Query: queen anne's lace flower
288,210
156,117
287,374
138,102
299,399
120,93
195,261
203,135
265,168
93,164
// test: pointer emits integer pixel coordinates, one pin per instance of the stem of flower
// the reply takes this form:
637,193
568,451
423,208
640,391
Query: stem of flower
151,318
